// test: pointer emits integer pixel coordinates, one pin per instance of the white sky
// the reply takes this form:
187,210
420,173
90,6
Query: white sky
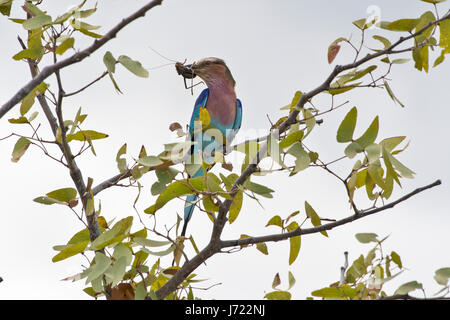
273,48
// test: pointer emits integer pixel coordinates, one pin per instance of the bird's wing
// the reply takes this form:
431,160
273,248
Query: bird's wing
200,102
238,119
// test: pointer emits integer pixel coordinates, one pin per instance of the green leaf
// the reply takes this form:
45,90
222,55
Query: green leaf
292,138
278,295
295,243
408,287
37,22
425,19
303,160
335,89
331,292
347,126
360,24
434,1
294,102
80,25
275,221
291,280
19,120
366,237
63,195
150,243
90,34
33,116
439,59
444,40
86,13
176,189
235,207
262,247
402,25
133,66
80,236
315,220
121,162
353,149
309,119
63,47
213,183
391,93
370,135
116,234
404,171
110,62
70,251
158,188
114,82
27,102
86,135
116,271
373,153
139,258
400,61
141,292
5,7
47,200
442,275
386,43
390,143
396,258
19,148
258,189
96,270
150,161
362,73
356,270
161,253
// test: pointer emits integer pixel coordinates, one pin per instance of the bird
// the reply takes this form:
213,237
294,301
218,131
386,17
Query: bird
224,110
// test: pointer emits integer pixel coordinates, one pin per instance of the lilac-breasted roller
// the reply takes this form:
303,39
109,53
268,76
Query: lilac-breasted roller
224,109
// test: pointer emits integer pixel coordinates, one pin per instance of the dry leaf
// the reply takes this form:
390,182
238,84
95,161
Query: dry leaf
333,51
124,291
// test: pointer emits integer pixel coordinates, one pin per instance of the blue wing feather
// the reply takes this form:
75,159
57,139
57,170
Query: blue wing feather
238,120
201,102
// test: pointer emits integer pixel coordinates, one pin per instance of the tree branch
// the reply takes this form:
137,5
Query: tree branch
215,244
328,226
75,58
86,86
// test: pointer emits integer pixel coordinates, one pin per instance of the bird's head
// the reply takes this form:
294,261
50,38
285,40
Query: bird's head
209,69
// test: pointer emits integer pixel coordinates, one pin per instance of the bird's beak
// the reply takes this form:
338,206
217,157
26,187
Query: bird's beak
186,71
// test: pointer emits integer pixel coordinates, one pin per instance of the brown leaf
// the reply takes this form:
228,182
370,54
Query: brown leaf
73,203
175,126
171,271
227,166
124,291
333,51
276,281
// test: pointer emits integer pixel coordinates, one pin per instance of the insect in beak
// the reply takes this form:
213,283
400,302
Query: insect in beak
186,71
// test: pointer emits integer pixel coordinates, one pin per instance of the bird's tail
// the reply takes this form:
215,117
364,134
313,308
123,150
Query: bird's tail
188,209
